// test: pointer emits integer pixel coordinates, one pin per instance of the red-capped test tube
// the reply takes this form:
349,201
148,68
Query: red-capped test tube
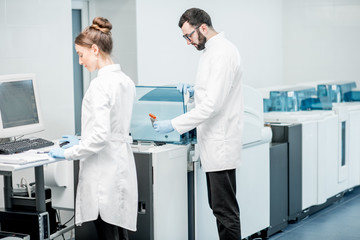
152,118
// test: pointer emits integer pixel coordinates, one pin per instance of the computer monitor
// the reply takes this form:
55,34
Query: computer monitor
19,106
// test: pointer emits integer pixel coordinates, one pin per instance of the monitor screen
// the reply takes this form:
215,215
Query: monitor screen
19,107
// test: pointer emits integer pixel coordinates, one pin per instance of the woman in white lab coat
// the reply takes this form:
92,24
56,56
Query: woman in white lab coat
107,188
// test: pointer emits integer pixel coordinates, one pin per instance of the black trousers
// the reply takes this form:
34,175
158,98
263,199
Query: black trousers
107,231
221,187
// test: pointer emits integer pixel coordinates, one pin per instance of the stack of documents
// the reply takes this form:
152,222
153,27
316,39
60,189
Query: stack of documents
24,157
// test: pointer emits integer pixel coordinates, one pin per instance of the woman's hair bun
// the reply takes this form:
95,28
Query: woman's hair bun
101,24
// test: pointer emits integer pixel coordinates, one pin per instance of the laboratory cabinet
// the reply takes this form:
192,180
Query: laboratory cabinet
349,152
162,187
319,153
313,178
340,97
330,138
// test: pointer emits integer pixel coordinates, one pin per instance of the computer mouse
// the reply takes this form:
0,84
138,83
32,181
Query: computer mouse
63,143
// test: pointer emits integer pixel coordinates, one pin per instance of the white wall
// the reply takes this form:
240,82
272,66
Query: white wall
36,38
255,27
281,42
122,15
321,40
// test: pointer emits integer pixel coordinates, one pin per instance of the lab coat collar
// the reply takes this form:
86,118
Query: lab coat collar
109,68
212,41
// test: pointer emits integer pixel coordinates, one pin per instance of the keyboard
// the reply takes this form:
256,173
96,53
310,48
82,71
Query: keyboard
24,145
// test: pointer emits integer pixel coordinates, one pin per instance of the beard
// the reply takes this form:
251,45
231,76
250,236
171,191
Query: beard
202,40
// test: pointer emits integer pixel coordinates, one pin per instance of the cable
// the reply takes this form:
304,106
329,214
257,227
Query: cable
58,215
18,138
25,185
69,220
62,226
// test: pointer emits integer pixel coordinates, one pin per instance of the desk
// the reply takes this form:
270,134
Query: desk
44,232
7,169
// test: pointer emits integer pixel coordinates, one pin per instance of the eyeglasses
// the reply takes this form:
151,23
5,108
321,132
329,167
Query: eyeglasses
188,36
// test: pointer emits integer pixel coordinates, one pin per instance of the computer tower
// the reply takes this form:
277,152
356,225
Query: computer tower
33,223
21,202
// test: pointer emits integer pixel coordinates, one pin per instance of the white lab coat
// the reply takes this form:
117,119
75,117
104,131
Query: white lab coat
107,178
218,112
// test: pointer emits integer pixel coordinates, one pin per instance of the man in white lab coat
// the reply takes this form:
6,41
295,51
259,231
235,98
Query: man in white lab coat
217,116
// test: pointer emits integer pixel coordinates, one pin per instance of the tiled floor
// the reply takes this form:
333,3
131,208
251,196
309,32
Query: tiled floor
339,221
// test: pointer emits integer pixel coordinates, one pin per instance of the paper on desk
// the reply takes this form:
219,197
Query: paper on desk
23,158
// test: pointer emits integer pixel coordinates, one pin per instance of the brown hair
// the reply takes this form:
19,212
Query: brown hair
195,17
98,33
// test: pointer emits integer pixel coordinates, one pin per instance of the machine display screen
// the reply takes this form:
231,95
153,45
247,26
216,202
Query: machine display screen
163,102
